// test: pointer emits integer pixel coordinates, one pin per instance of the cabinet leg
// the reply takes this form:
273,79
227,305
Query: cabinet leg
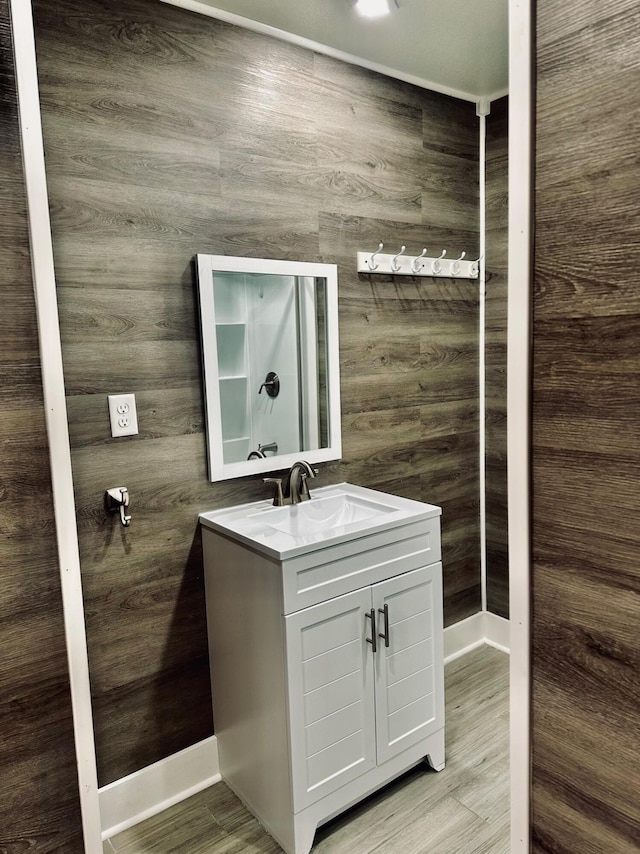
435,757
305,831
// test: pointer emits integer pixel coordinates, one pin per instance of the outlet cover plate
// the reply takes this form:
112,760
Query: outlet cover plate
123,415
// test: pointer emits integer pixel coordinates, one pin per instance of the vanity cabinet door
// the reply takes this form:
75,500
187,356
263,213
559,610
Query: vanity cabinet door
409,663
331,695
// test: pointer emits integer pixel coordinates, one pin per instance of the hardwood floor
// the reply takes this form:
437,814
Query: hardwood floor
462,810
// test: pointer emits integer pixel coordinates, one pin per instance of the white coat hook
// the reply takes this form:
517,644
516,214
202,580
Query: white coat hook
455,266
475,266
372,260
436,266
416,266
394,261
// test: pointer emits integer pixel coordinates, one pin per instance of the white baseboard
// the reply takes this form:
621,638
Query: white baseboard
481,628
147,792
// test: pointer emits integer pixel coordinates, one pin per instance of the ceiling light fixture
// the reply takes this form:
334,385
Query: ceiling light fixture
375,8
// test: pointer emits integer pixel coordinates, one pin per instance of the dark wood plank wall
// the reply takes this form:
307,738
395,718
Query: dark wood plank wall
496,357
586,430
39,806
169,134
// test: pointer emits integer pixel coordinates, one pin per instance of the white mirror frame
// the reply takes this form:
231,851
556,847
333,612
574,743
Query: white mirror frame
206,264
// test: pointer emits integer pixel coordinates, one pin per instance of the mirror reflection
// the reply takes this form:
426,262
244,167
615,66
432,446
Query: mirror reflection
269,336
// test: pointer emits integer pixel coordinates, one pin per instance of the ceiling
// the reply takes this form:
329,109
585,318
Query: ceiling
459,47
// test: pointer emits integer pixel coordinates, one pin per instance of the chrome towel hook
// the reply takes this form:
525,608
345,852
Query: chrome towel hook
455,266
416,265
372,260
394,261
436,266
117,499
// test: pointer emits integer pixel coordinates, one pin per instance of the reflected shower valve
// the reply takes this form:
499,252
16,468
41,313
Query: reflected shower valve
271,384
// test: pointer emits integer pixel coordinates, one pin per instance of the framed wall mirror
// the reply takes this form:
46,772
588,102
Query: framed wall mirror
270,361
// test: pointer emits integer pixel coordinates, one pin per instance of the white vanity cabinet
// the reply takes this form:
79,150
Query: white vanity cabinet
326,667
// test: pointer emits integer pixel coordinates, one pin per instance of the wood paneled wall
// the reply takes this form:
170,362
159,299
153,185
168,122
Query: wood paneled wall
168,134
39,806
586,430
496,357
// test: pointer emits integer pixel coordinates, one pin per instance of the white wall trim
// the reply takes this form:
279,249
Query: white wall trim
497,632
500,93
153,789
326,50
56,416
483,628
482,378
518,409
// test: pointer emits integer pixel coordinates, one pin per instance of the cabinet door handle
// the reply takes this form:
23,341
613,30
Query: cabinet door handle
373,640
385,633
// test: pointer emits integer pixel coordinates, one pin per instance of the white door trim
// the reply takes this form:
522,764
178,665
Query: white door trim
56,416
518,414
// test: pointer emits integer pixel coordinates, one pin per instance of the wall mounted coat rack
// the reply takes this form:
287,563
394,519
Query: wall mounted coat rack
417,265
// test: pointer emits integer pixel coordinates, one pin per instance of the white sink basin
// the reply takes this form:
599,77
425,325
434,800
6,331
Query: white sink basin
323,514
333,515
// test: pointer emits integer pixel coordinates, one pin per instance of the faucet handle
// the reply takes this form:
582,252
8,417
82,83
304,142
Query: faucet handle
304,473
303,489
278,500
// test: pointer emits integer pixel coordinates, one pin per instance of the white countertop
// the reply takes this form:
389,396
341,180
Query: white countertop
334,515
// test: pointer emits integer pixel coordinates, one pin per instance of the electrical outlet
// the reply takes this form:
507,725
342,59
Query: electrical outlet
123,415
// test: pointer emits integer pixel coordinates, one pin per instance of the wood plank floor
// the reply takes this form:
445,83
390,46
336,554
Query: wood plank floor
462,810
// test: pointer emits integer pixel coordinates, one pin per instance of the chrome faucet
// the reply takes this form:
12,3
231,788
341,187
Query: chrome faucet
295,486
